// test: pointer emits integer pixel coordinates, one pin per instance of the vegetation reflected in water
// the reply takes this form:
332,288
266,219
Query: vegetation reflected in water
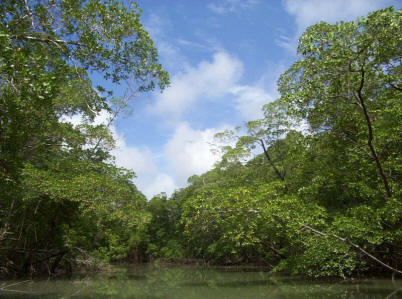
151,281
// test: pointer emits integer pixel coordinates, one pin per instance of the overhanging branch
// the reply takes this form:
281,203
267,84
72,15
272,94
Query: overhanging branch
346,240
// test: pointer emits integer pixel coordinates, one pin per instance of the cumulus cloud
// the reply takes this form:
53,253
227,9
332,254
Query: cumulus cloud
150,180
189,151
209,79
161,182
249,101
141,160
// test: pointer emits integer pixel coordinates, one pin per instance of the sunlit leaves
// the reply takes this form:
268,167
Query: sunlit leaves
59,186
300,188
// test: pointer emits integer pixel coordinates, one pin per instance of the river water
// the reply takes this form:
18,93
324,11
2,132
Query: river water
152,281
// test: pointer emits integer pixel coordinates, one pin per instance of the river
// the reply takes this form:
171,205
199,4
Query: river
152,281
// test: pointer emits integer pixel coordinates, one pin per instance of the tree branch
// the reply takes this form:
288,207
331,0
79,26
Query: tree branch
360,99
395,86
277,172
48,40
317,232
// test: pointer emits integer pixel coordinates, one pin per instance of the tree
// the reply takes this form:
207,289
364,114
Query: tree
51,46
347,80
264,133
59,184
164,230
322,198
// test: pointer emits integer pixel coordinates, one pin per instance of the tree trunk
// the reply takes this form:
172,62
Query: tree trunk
360,99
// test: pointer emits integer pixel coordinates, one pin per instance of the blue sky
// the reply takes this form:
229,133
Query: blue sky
224,58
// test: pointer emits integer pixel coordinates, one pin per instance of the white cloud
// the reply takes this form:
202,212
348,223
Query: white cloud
309,12
189,152
225,6
210,79
150,179
103,117
214,80
141,160
249,101
159,183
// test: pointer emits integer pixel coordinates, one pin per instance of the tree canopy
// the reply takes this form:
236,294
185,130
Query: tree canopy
314,187
61,195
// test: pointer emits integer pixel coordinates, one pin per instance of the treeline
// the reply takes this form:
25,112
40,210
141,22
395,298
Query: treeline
323,197
314,187
63,202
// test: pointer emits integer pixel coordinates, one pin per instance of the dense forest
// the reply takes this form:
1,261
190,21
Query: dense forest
313,188
63,201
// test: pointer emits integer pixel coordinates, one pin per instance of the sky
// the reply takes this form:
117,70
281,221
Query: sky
224,58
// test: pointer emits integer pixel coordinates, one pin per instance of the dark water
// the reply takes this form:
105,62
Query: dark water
150,281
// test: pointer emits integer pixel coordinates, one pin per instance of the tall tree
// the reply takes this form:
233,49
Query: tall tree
346,81
59,186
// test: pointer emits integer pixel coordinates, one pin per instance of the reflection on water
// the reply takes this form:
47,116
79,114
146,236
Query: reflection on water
150,281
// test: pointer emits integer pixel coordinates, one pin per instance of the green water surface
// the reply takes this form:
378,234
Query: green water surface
151,281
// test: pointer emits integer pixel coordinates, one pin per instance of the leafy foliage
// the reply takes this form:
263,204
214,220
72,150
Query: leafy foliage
61,195
313,187
323,196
